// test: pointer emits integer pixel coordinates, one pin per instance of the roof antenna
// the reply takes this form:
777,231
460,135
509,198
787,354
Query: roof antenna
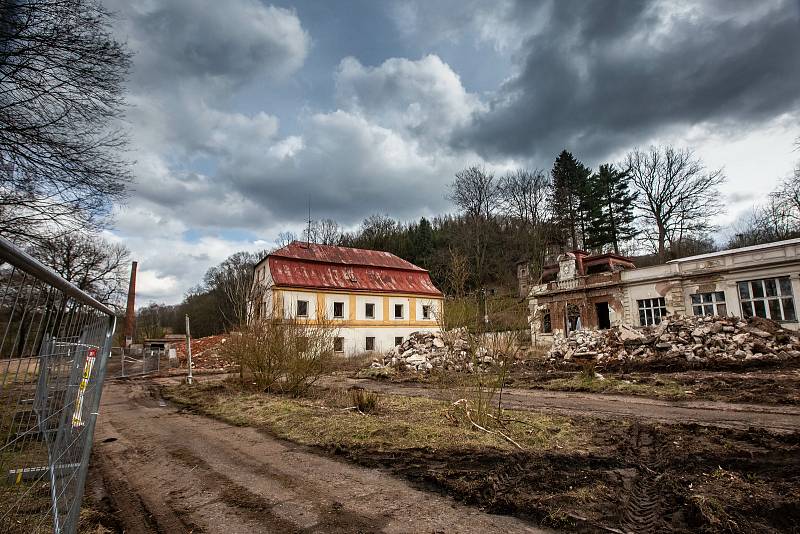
308,231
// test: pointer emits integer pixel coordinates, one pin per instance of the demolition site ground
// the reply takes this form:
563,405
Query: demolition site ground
314,464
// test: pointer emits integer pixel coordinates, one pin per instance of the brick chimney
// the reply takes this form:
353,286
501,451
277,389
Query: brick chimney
130,312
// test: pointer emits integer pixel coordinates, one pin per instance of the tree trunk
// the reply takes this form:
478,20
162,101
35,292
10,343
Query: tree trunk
662,239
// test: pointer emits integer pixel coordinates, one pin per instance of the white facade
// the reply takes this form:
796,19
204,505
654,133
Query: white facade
354,323
355,338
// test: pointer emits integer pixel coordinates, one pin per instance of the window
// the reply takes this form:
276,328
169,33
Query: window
338,310
709,303
398,340
770,298
369,343
426,311
651,311
547,325
338,344
398,311
302,308
369,310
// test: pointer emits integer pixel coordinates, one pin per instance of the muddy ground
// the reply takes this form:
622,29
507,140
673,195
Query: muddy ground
632,476
643,478
163,469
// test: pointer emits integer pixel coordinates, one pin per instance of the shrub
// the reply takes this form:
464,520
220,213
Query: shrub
365,401
284,356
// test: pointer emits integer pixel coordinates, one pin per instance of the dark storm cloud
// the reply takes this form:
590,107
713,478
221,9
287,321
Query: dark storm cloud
607,75
228,42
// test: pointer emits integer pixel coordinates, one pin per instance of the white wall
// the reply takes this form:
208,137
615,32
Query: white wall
434,309
290,299
362,300
406,310
330,299
355,337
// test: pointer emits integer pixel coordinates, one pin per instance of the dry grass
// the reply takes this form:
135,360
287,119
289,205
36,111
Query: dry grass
662,389
364,401
353,364
401,423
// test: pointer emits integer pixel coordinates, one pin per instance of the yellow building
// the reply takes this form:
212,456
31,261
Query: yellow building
374,298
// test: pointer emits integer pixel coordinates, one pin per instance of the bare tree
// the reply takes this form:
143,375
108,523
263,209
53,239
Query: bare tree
377,231
786,197
92,264
284,238
61,87
457,273
323,232
524,195
776,219
677,195
477,194
232,284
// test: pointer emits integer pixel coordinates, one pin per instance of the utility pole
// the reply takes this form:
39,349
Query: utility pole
188,350
483,310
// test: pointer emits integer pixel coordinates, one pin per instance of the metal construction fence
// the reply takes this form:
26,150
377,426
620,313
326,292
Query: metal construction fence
145,362
54,345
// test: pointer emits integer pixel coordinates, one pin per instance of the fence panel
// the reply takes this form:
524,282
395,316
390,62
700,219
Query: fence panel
54,345
145,362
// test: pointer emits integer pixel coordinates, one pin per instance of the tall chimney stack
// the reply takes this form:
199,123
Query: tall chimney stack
130,312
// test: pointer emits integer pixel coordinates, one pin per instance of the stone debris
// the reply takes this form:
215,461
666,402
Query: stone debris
206,353
685,339
424,351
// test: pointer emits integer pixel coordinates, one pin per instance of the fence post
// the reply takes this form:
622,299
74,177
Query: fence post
188,350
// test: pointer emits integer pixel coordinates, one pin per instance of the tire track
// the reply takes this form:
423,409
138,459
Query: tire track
641,512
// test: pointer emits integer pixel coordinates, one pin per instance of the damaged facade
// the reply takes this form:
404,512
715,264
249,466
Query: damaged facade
597,292
374,298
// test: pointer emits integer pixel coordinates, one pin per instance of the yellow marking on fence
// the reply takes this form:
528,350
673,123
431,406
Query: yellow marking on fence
77,417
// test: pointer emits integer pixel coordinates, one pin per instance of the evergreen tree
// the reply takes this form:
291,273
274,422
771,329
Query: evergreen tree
423,242
612,217
570,200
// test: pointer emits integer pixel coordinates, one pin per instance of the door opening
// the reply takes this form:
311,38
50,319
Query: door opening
603,316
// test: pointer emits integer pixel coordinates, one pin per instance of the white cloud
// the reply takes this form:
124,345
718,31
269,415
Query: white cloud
423,97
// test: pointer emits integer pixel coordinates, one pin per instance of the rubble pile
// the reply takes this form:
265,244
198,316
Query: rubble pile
681,340
205,353
424,351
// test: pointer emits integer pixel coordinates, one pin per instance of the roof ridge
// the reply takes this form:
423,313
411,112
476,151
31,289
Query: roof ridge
396,262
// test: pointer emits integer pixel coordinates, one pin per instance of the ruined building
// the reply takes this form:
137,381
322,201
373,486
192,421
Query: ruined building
599,291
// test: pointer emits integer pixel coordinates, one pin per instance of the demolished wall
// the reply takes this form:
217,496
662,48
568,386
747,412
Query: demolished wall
685,341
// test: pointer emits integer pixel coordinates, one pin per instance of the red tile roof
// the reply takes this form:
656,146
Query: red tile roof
316,266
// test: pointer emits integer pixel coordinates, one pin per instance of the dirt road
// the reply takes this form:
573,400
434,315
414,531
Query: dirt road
721,414
167,471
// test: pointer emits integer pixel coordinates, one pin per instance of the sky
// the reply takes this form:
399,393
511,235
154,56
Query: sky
242,113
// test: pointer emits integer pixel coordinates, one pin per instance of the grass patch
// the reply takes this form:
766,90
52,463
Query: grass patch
660,388
327,420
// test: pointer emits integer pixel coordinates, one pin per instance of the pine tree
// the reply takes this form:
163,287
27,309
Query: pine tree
612,220
424,240
570,200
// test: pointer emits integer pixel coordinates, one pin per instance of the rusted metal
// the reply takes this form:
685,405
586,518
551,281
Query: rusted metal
348,269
